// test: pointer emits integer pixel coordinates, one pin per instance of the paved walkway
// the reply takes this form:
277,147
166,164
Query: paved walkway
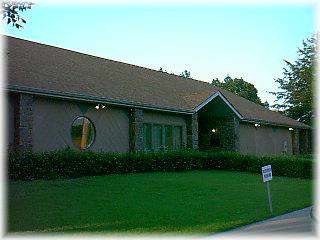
297,222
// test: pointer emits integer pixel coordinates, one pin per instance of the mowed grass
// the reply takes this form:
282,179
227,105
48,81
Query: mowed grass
187,202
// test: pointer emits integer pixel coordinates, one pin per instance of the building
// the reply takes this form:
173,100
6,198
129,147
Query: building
59,98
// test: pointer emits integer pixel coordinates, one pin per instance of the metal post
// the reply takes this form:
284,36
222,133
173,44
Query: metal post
269,197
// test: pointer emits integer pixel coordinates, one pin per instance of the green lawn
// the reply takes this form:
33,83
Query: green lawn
189,202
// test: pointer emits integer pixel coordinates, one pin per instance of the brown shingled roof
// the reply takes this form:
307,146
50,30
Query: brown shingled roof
41,68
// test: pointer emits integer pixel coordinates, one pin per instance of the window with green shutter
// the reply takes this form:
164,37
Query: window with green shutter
158,137
147,136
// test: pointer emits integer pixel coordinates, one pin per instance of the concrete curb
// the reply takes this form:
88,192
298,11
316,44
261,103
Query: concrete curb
269,221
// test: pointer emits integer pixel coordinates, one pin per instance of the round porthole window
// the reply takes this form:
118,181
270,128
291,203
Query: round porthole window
82,133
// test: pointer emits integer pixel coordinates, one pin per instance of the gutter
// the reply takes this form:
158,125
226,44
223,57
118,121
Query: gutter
87,98
275,124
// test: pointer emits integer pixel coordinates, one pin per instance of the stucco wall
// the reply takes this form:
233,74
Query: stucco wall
169,119
264,140
52,125
53,118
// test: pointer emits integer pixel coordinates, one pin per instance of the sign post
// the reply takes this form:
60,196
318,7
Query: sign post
267,176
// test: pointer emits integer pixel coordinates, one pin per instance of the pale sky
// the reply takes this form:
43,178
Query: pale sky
209,40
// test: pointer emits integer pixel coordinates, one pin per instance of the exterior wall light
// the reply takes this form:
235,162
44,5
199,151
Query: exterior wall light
290,129
257,125
213,130
100,106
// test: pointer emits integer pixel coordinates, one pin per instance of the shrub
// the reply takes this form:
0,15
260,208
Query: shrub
73,164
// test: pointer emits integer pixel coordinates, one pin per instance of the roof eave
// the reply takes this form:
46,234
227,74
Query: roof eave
213,96
86,98
218,93
276,124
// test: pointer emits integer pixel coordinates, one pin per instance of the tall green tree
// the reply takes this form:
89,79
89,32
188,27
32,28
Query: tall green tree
295,98
241,88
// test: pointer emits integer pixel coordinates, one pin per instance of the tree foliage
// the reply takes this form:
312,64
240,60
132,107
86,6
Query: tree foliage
296,95
10,12
185,74
241,88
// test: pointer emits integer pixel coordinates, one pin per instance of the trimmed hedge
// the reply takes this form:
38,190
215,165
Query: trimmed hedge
74,164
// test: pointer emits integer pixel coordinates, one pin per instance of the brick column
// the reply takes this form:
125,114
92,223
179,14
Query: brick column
136,129
229,133
236,134
23,122
304,141
295,142
192,131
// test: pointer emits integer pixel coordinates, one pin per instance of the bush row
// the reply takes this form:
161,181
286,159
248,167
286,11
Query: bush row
74,164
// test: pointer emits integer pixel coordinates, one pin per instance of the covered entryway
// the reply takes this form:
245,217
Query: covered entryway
218,126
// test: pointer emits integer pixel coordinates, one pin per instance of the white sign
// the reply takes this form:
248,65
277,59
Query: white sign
266,173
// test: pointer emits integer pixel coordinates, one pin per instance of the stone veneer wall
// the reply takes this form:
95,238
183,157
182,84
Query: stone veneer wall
230,134
295,141
227,130
192,131
305,146
23,121
136,129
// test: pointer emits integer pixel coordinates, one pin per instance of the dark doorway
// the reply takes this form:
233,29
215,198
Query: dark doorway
215,141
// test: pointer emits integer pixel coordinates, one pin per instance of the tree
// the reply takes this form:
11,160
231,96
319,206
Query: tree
266,105
296,95
216,82
241,88
10,12
185,74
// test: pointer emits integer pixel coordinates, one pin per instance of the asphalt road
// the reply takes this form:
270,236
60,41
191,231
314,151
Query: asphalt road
297,222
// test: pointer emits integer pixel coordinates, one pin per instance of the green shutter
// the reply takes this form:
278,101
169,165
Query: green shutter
168,143
157,132
147,137
177,133
161,137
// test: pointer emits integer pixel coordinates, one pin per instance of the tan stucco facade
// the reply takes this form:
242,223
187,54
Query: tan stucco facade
264,140
52,120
